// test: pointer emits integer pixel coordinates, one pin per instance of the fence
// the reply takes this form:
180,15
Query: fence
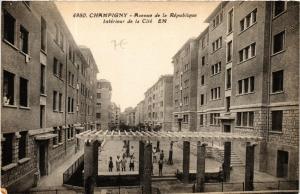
72,169
258,186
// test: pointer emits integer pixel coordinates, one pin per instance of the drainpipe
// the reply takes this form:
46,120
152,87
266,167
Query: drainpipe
66,99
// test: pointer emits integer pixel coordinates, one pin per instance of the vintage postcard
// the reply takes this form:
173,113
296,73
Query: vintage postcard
149,97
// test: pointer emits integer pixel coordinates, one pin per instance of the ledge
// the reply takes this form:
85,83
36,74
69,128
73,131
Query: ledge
279,92
23,160
10,44
9,166
247,28
55,146
24,107
277,53
9,106
276,132
44,95
246,60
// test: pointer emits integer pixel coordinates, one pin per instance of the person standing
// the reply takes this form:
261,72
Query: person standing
123,163
154,155
118,163
110,164
161,155
160,166
170,161
131,164
131,151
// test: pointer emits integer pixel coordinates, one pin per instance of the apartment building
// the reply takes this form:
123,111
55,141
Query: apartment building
129,116
43,70
103,105
115,116
249,81
140,113
158,103
185,77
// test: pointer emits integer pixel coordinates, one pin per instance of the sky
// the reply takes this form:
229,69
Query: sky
132,56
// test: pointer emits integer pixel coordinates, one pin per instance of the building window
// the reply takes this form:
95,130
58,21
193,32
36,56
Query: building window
60,102
54,100
98,95
185,119
248,21
202,80
217,44
23,92
230,21
213,118
279,7
277,81
218,19
247,52
98,115
8,88
186,67
202,99
9,28
72,104
22,144
229,51
228,78
201,120
278,42
69,104
215,93
43,80
55,66
246,86
245,119
277,120
60,73
185,100
43,34
55,139
69,78
7,148
23,40
60,135
216,68
203,61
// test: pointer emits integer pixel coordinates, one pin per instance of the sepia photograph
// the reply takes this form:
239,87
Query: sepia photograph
149,97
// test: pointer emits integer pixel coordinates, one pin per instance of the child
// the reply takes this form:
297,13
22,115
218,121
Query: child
110,164
131,164
118,163
123,163
160,166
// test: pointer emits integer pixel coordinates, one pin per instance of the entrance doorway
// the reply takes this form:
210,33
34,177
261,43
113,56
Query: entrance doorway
43,159
282,163
227,128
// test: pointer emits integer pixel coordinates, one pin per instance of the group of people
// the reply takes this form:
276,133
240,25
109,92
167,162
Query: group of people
122,162
160,162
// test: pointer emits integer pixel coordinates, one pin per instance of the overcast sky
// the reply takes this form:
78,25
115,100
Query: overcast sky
146,49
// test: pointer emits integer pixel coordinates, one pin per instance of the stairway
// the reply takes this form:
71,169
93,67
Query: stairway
218,154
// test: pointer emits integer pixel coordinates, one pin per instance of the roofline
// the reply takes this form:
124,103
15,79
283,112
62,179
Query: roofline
217,9
184,45
205,31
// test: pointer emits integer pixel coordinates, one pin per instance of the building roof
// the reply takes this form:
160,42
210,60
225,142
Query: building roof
215,11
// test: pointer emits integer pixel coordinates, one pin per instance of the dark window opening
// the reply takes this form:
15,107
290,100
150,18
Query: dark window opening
60,102
55,139
60,136
54,100
278,42
229,51
9,27
43,79
277,81
23,92
8,88
42,115
228,80
55,64
60,70
202,99
7,147
277,120
22,144
202,80
24,40
227,104
230,21
279,7
43,34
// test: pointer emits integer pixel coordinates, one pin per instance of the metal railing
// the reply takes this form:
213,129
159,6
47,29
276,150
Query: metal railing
257,186
72,169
